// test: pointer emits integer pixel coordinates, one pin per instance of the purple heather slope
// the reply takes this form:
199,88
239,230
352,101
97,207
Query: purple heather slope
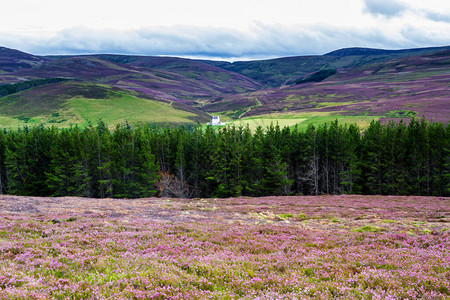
416,80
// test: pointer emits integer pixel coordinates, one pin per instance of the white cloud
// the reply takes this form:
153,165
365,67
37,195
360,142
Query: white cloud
234,30
258,41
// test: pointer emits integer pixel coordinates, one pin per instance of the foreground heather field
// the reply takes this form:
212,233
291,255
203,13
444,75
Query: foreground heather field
347,247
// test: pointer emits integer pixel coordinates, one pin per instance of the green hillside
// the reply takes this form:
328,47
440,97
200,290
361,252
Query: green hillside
67,103
301,120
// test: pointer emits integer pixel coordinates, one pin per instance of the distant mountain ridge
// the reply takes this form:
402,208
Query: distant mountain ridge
366,81
374,51
285,70
12,60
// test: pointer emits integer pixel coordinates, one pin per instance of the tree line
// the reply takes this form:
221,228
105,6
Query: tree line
317,76
194,161
7,89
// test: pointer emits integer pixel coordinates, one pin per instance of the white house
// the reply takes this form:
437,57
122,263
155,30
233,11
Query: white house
216,121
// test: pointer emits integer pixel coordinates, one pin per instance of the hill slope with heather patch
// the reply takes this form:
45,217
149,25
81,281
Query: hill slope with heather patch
340,247
354,85
176,88
286,70
74,102
398,88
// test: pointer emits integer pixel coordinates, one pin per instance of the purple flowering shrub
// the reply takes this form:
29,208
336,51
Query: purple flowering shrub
347,247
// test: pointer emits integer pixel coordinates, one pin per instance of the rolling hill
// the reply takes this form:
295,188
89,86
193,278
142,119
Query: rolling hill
353,84
73,102
12,60
400,87
276,72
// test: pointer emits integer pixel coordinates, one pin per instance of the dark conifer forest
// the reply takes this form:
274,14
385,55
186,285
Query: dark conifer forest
193,161
7,89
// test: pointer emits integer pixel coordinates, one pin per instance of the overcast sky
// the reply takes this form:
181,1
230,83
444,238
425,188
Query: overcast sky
229,30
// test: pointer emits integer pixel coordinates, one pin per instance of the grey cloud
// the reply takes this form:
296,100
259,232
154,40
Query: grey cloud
394,8
260,41
438,17
386,8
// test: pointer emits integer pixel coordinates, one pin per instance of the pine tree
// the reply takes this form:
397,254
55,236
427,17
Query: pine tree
65,176
439,164
246,157
180,161
373,159
207,184
27,157
145,167
274,180
255,187
219,175
393,142
195,161
3,178
418,156
122,160
104,163
297,159
351,171
311,176
446,161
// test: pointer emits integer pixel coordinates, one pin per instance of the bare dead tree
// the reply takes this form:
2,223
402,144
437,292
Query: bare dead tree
171,186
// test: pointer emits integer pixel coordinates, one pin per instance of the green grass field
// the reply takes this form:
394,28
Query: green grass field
122,107
118,107
302,120
8,122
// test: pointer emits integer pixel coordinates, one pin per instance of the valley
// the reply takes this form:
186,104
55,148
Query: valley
362,85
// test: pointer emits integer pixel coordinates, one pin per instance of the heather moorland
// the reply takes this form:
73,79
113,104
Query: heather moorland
88,240
321,247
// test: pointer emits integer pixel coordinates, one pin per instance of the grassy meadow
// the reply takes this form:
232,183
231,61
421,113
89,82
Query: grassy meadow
125,108
302,120
83,104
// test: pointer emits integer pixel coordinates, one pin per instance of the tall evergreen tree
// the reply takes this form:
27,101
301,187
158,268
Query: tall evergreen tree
145,167
66,175
312,176
196,149
274,180
104,163
439,159
351,151
373,159
3,178
27,157
418,156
